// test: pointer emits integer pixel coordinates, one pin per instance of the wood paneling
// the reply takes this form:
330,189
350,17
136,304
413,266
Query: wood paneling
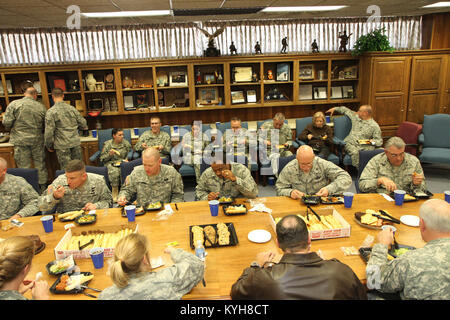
420,104
389,109
440,35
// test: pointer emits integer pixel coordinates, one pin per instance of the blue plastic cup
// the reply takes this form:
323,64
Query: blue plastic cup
348,199
47,222
214,207
447,196
328,119
271,181
97,257
94,133
131,212
136,131
399,196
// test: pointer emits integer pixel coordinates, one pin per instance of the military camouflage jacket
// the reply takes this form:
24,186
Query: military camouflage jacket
62,123
166,284
151,140
322,174
167,186
26,119
361,129
11,295
94,190
244,185
124,148
285,133
379,166
195,145
17,196
417,274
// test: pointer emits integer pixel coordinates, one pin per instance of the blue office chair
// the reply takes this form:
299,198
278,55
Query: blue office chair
30,175
300,125
434,139
283,161
342,127
103,171
127,167
364,158
105,135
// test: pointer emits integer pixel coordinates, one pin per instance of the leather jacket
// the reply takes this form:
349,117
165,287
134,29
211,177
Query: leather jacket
299,276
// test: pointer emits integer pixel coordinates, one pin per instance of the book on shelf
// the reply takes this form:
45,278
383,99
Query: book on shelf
320,93
336,92
305,92
347,92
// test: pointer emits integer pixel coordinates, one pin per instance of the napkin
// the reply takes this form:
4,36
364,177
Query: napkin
260,207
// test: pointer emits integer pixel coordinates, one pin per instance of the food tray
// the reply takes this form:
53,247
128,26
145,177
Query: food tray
225,207
77,220
73,291
67,220
392,195
47,267
233,237
427,196
124,213
332,200
154,209
226,202
365,252
311,200
357,218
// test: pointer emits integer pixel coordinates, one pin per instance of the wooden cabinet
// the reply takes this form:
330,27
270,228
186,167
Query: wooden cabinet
445,98
88,149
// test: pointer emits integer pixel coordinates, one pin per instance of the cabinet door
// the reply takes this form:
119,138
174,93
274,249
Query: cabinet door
426,83
445,102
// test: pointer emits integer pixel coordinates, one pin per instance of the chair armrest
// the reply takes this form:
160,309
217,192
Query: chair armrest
95,156
130,155
421,138
338,141
297,143
136,155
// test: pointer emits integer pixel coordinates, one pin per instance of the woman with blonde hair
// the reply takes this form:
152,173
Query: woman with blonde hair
134,279
318,135
16,254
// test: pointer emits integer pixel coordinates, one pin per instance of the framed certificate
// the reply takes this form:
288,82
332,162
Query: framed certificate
237,97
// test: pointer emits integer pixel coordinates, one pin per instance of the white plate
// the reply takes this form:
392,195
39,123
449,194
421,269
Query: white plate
409,220
259,236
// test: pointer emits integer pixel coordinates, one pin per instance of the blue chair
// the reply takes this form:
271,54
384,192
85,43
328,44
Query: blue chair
342,127
435,139
364,158
127,167
105,135
30,175
300,125
227,125
103,171
283,161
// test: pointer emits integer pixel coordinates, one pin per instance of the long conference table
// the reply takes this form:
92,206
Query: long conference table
224,265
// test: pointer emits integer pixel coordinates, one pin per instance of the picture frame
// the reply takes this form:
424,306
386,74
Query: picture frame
208,95
305,92
251,96
306,72
283,72
95,104
209,78
128,102
99,86
336,92
242,74
109,81
178,79
237,97
57,82
141,100
320,93
351,72
348,92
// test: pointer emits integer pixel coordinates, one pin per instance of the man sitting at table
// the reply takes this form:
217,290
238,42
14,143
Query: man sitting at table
300,274
76,190
421,273
226,180
152,182
309,175
17,197
393,169
155,138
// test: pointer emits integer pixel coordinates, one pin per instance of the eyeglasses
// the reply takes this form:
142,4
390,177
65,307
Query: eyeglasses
397,155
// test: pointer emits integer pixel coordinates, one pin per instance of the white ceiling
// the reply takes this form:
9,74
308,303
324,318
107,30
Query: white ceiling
52,13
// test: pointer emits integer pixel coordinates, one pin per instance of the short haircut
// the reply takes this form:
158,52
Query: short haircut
396,142
292,233
436,214
30,89
367,108
75,165
57,92
115,130
279,116
155,117
235,119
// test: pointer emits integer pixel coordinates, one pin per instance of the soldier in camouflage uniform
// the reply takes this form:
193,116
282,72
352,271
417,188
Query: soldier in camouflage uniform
115,150
17,197
393,169
26,119
152,182
238,141
421,273
193,144
226,180
363,127
155,138
76,190
309,175
284,135
62,123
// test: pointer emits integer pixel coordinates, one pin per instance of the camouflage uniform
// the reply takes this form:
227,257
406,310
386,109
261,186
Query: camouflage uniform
93,190
361,129
285,136
17,196
166,186
62,123
151,139
379,166
322,174
240,143
11,295
196,147
243,186
26,119
417,274
166,284
114,172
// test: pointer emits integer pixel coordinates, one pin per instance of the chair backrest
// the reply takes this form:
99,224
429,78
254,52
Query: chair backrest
342,127
30,175
142,130
103,171
436,130
283,161
166,129
127,167
409,132
260,123
227,125
300,125
103,136
127,135
364,158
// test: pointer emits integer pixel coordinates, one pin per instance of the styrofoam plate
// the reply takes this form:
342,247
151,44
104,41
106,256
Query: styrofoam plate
410,220
259,236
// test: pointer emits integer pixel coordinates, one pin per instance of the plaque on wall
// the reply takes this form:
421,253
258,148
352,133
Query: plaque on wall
109,81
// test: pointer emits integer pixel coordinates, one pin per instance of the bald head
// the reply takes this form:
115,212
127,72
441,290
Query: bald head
30,92
365,112
151,161
151,153
305,158
436,215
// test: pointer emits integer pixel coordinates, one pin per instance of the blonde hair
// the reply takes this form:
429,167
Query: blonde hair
318,114
128,256
15,254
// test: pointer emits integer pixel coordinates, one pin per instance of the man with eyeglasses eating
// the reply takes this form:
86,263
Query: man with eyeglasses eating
394,169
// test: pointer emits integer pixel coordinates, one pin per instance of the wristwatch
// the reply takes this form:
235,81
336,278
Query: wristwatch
255,264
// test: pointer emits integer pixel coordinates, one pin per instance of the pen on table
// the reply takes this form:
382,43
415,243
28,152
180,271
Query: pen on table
176,207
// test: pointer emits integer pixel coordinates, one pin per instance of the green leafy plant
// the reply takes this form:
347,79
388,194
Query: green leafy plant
373,41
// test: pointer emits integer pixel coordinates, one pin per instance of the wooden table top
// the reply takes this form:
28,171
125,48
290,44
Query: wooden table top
223,265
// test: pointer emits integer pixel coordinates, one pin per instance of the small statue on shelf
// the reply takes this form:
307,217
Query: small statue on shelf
344,40
211,51
314,47
233,49
198,79
258,48
254,77
284,44
269,75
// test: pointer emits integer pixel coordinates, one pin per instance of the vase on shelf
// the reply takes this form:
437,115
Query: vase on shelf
90,82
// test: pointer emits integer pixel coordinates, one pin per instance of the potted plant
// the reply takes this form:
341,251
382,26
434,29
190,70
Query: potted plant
373,41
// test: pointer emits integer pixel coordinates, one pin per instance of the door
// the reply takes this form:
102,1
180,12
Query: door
445,101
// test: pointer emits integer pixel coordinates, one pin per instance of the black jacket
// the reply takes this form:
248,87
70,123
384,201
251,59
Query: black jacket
299,276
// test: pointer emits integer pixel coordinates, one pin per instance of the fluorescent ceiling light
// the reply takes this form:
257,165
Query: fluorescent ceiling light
121,14
302,9
438,5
